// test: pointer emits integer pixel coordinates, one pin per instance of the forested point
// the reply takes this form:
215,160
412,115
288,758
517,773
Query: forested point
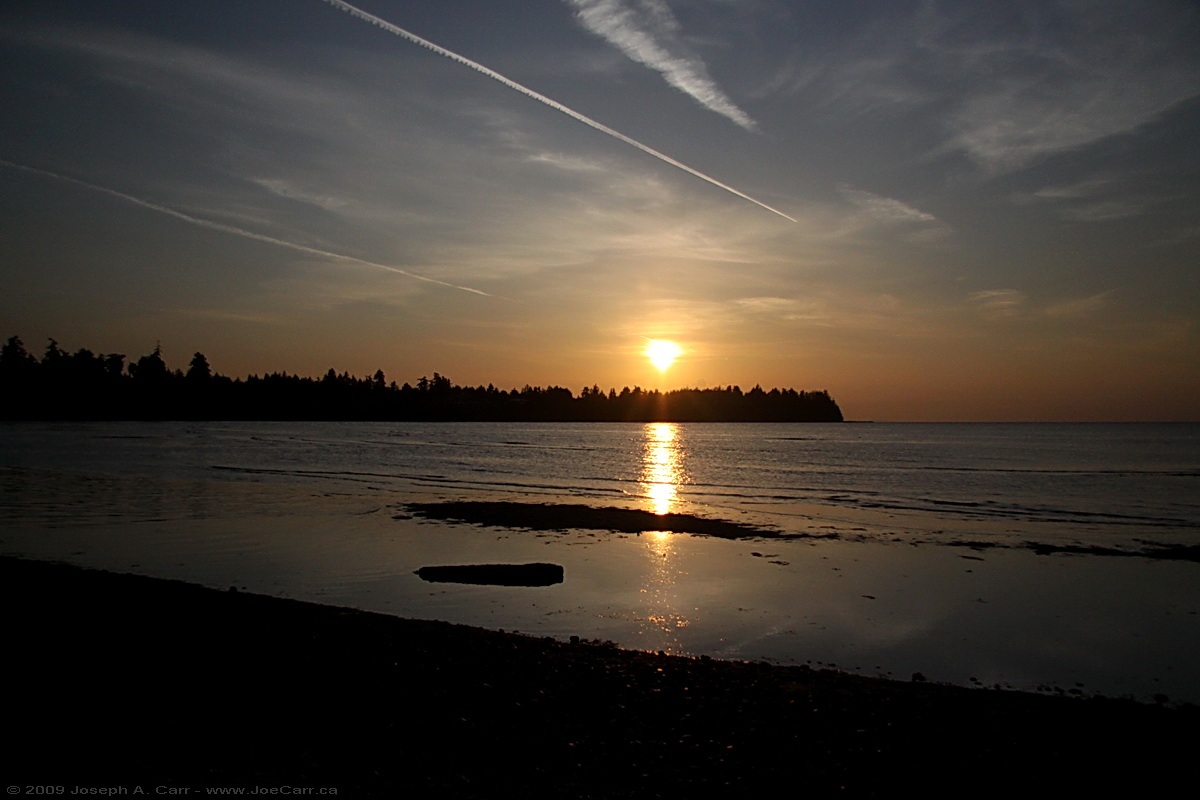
89,386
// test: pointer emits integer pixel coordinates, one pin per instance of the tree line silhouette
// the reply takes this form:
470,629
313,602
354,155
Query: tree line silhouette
87,385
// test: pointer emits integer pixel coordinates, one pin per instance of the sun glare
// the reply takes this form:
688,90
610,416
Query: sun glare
662,353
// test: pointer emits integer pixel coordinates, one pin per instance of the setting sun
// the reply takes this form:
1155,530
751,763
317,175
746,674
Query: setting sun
662,353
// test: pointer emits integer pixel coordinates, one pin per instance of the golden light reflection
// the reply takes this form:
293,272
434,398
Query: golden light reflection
662,622
662,474
662,465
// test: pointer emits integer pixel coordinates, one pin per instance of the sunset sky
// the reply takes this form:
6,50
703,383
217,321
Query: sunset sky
944,211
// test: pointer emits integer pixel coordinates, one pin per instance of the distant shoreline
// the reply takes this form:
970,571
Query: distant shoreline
87,386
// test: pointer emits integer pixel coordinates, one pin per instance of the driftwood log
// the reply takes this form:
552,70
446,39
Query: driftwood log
537,574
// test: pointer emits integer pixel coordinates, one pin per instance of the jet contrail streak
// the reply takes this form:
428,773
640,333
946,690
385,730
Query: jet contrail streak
219,226
541,98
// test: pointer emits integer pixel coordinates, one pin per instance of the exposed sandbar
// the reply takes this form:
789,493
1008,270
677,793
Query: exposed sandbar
1154,550
119,680
567,516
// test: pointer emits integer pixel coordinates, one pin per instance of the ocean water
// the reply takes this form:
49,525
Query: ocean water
1040,556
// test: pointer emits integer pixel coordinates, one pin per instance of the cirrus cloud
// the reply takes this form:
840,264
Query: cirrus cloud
647,32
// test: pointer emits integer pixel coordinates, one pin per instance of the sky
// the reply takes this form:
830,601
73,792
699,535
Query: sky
933,210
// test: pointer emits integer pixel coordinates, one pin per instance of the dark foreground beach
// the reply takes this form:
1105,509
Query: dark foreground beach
120,682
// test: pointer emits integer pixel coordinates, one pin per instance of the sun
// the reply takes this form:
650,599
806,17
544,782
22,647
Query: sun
662,353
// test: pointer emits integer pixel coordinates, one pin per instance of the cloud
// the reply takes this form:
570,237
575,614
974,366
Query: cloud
647,32
396,30
1057,79
777,305
1007,89
1096,200
811,311
1073,191
289,190
229,316
1079,307
999,302
891,213
233,230
1105,211
187,76
1009,127
886,209
1012,303
567,163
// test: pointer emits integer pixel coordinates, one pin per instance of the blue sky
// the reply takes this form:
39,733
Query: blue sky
996,205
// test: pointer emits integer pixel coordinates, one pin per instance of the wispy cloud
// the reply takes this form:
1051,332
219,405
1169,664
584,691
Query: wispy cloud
227,316
1059,79
289,190
998,302
1097,200
785,309
1073,191
886,209
566,162
889,212
1007,90
1009,127
181,75
231,229
1078,307
1105,211
647,32
1013,303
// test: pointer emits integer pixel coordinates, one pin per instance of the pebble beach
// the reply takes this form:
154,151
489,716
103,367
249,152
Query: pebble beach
121,682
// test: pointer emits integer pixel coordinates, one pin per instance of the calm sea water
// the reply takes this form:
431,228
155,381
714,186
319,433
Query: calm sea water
930,562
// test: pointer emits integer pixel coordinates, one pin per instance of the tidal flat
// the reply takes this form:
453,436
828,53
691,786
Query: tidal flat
1022,557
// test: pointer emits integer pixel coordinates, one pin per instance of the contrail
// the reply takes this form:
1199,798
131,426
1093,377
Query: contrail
219,226
541,98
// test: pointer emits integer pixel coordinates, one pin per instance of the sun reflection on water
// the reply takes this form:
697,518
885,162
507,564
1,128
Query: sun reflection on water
662,474
662,465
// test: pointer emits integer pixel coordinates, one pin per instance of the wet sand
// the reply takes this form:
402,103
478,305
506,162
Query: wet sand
119,680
